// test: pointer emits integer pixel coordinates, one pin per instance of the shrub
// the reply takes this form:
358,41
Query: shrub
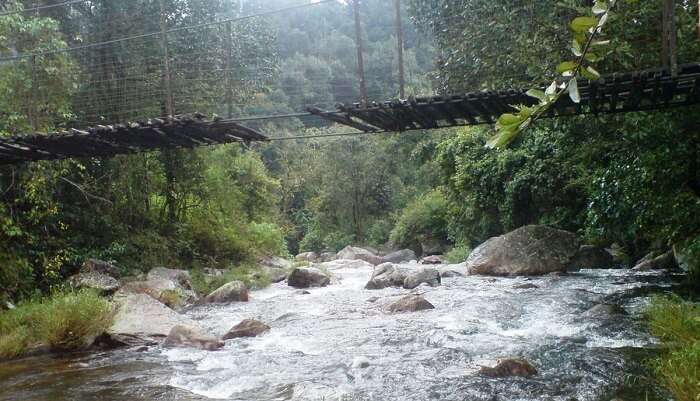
64,321
251,275
423,218
674,321
458,254
680,372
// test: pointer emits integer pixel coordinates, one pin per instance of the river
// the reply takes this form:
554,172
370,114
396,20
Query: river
320,344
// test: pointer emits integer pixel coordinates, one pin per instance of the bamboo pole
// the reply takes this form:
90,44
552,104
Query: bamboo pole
166,62
360,57
399,37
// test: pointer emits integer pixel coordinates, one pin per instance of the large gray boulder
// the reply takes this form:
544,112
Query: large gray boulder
180,277
403,255
422,276
276,274
307,277
592,257
276,261
99,282
409,303
310,257
235,291
529,250
432,260
164,290
247,328
182,336
431,246
357,253
101,267
141,319
386,275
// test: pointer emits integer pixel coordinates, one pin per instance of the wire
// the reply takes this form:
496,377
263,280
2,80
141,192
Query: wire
26,10
150,34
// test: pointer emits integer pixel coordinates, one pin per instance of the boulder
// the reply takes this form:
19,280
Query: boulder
592,257
247,328
386,275
664,261
101,267
235,291
432,260
102,283
344,264
357,253
327,256
420,276
529,250
302,277
181,277
140,319
276,274
409,303
276,261
508,368
164,290
307,257
191,337
404,255
526,286
604,311
447,273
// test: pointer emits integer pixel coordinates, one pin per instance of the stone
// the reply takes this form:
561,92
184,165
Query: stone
604,311
447,273
327,256
164,290
235,291
432,260
307,257
100,266
140,320
247,328
386,275
277,262
409,303
526,286
529,250
276,274
357,253
403,255
360,362
302,277
302,292
509,368
663,261
181,277
592,257
191,337
102,283
344,264
427,276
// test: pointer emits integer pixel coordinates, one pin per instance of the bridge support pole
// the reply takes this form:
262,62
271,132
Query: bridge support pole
166,61
669,37
360,57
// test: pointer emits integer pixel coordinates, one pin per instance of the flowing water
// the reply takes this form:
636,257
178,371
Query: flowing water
320,344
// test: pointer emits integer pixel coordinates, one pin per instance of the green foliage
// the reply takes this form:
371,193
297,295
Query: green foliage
424,218
677,323
63,321
458,254
250,274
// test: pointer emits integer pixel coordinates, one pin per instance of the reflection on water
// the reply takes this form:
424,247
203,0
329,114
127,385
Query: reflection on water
320,344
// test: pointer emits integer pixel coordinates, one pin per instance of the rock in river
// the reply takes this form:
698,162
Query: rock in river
404,255
192,337
592,257
529,250
353,252
247,328
386,275
420,276
604,311
302,277
509,367
235,291
409,303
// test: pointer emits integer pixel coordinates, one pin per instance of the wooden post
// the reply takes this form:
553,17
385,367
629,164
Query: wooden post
166,61
360,58
664,34
669,51
399,36
229,62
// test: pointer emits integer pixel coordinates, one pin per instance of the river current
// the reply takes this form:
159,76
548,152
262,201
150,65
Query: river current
337,343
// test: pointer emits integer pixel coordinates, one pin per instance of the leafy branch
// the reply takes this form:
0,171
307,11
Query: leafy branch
585,30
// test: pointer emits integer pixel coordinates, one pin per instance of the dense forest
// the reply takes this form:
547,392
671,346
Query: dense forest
628,183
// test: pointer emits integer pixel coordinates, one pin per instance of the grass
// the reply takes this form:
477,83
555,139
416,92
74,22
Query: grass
63,322
458,254
677,323
251,275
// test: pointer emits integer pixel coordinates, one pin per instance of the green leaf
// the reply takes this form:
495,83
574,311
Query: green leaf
583,24
503,137
566,66
590,73
551,90
507,119
600,7
576,48
537,94
600,43
573,91
592,57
